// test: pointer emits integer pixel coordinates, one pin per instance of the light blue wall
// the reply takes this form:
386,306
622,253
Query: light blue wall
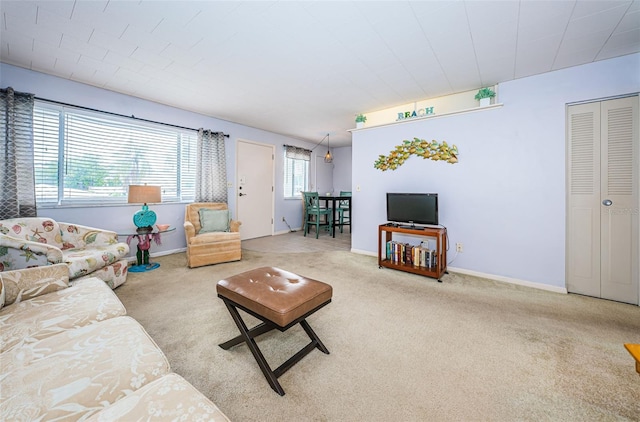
505,199
342,159
118,218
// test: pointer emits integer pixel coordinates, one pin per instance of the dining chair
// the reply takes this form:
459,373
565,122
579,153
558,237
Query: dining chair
343,207
313,209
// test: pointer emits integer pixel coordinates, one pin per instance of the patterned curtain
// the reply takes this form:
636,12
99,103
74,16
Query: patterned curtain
211,167
17,195
297,153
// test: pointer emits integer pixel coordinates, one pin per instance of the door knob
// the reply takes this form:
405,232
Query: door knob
241,194
607,202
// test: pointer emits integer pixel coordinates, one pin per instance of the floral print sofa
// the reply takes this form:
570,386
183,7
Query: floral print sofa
87,251
71,353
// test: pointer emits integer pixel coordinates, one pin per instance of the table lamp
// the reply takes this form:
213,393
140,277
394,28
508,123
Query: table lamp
144,194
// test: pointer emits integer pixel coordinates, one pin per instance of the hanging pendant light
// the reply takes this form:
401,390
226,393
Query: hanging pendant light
328,158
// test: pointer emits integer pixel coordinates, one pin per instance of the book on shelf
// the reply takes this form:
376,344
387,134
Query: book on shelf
396,252
427,258
423,257
408,254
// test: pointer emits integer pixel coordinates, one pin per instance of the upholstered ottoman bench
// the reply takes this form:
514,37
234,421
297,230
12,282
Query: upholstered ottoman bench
280,299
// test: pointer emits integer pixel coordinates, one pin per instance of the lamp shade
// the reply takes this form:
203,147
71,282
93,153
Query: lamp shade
144,194
327,157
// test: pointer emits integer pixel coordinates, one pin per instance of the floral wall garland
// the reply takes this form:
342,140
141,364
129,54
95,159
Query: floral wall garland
436,151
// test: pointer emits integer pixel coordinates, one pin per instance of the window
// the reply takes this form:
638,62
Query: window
87,157
296,171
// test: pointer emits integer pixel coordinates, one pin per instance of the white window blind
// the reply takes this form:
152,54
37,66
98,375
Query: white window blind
88,157
46,132
296,175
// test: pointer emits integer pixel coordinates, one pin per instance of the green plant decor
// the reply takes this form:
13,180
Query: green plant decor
361,118
485,93
434,150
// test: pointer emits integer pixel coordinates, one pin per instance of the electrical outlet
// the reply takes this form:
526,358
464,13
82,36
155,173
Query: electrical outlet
459,247
283,218
358,188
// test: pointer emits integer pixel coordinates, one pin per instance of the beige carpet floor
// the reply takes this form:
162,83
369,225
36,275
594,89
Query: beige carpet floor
403,347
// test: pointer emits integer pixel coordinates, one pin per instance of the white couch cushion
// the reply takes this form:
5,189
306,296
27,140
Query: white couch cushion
28,283
170,398
78,372
85,303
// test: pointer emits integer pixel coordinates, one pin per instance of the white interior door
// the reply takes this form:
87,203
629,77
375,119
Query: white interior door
583,201
602,203
619,186
255,188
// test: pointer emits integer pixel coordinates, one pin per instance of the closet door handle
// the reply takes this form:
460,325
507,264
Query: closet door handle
607,202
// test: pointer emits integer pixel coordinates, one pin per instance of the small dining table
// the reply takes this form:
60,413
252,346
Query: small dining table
333,200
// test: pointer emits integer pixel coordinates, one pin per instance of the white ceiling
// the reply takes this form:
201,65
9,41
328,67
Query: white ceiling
305,68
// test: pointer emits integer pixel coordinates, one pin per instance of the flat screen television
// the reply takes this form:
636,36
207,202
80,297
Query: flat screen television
412,208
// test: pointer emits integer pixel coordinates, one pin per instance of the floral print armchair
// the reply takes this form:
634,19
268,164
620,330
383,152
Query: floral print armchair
87,251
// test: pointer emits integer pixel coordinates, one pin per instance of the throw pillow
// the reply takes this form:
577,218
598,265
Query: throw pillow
213,220
28,283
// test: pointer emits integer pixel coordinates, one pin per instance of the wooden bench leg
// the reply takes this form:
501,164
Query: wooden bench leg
251,343
634,350
253,333
313,336
247,336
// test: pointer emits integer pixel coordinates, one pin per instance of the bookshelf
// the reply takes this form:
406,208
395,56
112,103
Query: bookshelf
396,261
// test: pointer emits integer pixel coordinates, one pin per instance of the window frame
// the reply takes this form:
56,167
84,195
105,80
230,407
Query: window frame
176,145
289,170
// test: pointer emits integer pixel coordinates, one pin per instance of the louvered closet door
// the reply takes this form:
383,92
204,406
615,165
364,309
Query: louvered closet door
583,214
602,214
619,184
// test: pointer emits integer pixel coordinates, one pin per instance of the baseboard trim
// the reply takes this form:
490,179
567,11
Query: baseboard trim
156,254
510,280
503,279
295,229
361,252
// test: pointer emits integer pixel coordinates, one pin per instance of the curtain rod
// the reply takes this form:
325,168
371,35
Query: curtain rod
120,115
310,150
293,146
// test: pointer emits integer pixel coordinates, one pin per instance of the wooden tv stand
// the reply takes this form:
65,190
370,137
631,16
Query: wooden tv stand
439,233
